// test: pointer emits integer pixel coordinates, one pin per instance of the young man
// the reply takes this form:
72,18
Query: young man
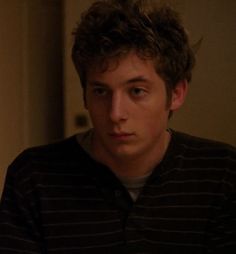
129,185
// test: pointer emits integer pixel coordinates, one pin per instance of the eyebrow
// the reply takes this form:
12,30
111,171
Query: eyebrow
96,83
129,81
137,79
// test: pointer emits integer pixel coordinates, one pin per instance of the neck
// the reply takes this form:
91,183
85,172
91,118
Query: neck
137,165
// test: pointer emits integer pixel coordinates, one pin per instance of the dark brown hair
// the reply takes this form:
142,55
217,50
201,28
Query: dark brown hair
112,28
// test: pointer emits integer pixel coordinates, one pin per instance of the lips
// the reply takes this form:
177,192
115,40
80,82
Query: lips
121,135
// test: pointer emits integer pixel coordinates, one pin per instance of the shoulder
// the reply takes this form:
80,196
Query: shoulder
204,147
60,150
209,164
208,158
55,156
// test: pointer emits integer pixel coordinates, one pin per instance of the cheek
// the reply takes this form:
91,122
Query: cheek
153,120
98,117
154,109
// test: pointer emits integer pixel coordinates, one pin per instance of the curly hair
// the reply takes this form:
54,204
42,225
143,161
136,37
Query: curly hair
112,28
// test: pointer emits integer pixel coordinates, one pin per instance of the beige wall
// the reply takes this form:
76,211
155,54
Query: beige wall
73,104
210,107
11,72
30,76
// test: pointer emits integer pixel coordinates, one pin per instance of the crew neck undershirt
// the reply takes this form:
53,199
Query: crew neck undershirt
134,185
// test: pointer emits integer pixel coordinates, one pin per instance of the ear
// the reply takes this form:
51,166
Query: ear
178,95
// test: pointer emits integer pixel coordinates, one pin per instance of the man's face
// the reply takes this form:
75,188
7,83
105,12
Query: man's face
128,108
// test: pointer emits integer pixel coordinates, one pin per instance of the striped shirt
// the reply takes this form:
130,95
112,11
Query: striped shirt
58,200
134,185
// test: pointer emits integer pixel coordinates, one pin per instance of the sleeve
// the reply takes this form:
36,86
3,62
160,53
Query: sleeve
19,220
225,239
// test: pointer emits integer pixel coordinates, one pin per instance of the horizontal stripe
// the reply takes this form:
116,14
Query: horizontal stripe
88,247
167,243
60,196
14,250
81,223
84,235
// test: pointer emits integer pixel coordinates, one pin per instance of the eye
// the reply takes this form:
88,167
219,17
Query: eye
99,91
138,91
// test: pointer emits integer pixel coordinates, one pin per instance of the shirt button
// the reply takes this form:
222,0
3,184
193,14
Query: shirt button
118,193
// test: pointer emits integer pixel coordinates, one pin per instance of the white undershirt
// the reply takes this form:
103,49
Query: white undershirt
134,185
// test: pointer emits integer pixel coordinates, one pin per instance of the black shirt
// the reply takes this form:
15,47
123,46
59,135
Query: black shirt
58,200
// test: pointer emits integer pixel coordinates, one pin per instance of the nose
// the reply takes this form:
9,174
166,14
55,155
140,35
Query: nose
118,108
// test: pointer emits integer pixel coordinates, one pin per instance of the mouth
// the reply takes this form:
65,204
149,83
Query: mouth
121,135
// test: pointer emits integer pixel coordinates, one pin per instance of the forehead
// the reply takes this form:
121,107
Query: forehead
125,66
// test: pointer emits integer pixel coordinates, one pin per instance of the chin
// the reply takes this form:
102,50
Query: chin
124,153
